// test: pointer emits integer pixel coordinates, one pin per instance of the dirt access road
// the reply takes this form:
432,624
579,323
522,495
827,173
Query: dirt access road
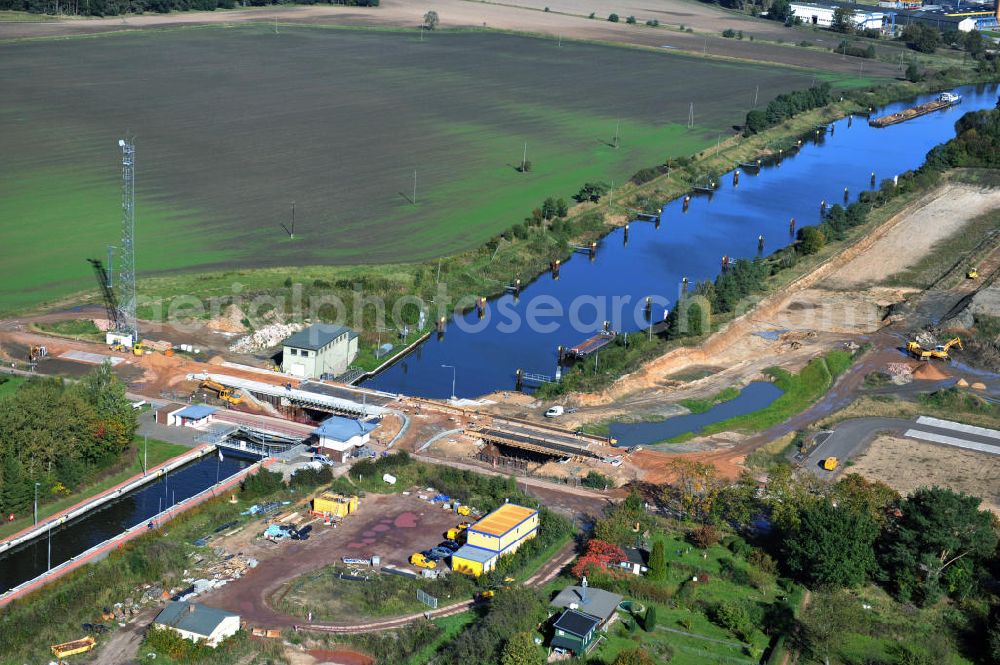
392,526
527,16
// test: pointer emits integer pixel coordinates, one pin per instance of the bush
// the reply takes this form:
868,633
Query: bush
653,23
598,480
734,617
261,483
649,621
811,240
630,20
728,33
613,18
705,536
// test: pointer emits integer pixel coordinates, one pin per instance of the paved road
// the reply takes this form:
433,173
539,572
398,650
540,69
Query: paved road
850,437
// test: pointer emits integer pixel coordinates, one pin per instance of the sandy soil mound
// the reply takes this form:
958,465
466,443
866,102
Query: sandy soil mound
929,372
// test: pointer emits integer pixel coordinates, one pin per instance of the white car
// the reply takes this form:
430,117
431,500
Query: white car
555,412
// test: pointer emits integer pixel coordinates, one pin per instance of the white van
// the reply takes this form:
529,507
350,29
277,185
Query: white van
555,412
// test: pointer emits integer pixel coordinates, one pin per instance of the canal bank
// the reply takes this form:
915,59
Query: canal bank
523,331
110,494
101,550
118,519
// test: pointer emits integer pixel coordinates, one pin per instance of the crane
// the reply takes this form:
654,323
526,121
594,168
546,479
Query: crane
110,301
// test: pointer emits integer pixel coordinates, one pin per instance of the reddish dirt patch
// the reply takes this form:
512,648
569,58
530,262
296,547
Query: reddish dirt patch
340,657
406,521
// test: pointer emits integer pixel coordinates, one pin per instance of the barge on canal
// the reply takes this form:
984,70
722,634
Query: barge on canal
945,100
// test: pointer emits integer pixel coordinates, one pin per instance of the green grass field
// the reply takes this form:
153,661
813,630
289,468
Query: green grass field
233,124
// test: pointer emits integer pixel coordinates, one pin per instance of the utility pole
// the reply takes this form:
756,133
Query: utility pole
415,178
37,485
618,126
145,455
275,25
524,156
756,92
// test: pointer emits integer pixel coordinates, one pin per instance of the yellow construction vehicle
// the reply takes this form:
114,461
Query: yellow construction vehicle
830,463
941,350
972,274
419,560
464,510
917,351
224,393
138,349
119,347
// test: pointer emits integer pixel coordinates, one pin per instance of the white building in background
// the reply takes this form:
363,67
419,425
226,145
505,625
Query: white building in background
822,15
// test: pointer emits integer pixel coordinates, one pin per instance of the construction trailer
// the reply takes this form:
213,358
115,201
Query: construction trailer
334,505
501,532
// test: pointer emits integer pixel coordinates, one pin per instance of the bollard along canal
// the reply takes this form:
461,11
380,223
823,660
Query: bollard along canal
614,284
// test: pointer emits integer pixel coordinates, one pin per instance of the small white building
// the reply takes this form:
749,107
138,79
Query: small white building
338,437
195,622
319,349
196,415
822,15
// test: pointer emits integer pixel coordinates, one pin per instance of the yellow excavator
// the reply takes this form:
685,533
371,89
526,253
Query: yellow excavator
940,351
225,393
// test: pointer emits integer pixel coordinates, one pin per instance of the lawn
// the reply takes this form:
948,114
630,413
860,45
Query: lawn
9,385
331,598
234,124
158,452
683,624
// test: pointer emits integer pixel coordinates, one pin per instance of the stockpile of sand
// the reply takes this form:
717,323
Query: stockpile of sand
928,371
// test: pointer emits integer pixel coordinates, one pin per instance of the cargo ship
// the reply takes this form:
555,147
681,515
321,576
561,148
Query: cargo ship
945,100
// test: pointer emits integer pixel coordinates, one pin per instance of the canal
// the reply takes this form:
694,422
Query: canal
31,559
524,332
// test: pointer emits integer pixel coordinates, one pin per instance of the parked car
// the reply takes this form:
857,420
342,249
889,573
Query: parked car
431,555
449,544
442,552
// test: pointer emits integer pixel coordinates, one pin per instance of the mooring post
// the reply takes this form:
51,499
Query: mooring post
555,268
593,249
517,286
518,379
873,180
687,202
649,307
736,178
847,195
481,307
626,234
560,353
833,128
760,243
684,284
822,207
850,120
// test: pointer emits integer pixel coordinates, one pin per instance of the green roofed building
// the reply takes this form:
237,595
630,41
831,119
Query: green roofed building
574,632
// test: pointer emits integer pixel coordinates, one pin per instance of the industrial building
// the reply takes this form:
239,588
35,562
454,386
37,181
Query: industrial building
338,437
196,622
501,532
822,15
321,349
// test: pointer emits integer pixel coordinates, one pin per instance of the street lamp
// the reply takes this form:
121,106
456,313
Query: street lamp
37,485
452,367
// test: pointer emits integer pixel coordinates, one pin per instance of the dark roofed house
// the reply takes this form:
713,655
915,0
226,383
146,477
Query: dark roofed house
596,602
574,631
195,622
319,349
636,560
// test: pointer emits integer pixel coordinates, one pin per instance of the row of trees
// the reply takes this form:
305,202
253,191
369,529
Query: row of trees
122,7
787,105
57,434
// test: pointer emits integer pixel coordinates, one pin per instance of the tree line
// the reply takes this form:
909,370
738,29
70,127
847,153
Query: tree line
787,105
122,7
59,434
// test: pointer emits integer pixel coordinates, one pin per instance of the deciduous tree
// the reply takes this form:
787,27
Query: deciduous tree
832,546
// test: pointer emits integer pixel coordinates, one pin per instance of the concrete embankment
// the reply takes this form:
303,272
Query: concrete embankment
111,494
102,549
